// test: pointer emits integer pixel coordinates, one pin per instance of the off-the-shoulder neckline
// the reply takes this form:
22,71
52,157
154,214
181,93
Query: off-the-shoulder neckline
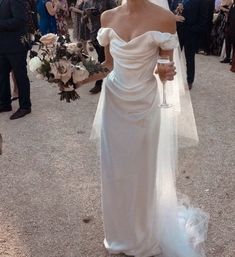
136,37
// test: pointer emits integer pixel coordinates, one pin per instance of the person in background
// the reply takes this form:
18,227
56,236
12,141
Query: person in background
190,29
83,22
97,7
76,18
218,30
228,32
31,28
205,43
62,13
13,54
231,31
47,10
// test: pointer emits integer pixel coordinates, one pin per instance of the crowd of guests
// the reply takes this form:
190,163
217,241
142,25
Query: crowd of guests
220,35
27,17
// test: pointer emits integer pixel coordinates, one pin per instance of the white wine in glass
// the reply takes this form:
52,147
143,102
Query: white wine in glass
162,64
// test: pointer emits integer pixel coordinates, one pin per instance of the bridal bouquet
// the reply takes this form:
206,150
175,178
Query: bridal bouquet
60,61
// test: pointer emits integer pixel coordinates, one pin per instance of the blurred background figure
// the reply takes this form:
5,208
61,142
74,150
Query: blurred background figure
62,13
231,32
218,30
13,55
82,24
47,10
31,28
205,40
76,14
93,13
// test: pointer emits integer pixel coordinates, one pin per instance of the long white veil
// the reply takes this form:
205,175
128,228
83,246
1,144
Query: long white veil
182,229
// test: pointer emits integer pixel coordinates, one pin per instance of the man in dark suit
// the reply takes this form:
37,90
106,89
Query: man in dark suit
13,53
205,41
190,29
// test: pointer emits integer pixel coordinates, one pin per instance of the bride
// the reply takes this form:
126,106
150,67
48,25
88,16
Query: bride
141,214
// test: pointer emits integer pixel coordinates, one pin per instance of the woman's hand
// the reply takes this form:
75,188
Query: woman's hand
170,71
179,18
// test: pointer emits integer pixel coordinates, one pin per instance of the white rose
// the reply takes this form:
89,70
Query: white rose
72,48
49,39
39,76
80,73
35,63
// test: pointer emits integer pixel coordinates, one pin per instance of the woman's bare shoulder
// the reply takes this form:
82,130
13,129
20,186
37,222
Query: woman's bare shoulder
109,16
165,18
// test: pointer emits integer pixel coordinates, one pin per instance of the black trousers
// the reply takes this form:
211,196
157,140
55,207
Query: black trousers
101,57
228,45
190,43
16,63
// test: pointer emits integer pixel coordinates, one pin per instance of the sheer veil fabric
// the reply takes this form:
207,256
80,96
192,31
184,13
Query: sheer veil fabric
181,229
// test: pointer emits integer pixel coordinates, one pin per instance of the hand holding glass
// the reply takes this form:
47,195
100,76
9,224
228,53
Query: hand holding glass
162,64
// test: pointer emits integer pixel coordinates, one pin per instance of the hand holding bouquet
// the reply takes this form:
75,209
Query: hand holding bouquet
65,63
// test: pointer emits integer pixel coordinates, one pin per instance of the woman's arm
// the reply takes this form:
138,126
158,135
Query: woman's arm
75,9
52,8
107,66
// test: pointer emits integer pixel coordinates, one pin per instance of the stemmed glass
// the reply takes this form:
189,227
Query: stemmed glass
162,63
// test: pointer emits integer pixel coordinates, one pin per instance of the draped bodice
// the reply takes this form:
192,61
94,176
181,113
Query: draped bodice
134,61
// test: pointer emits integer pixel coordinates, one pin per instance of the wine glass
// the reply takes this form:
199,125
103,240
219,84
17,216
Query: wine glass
162,63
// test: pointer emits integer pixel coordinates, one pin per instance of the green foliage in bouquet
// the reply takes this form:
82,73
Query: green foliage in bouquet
45,69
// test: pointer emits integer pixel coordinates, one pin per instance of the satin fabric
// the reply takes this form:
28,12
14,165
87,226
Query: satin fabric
130,121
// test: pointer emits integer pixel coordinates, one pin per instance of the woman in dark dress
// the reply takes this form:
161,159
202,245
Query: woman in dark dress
61,14
218,31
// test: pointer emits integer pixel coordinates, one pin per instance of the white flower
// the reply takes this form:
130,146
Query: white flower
72,48
49,39
80,73
35,63
39,76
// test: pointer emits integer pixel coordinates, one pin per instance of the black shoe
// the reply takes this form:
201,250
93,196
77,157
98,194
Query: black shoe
190,85
14,98
226,60
20,113
96,89
5,108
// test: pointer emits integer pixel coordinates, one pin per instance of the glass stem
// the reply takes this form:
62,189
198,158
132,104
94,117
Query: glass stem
164,92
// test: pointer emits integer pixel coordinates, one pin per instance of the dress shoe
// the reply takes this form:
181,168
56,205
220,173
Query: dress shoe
96,89
20,113
14,98
5,108
226,60
190,85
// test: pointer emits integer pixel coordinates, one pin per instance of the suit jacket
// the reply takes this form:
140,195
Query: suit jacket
195,13
231,22
12,26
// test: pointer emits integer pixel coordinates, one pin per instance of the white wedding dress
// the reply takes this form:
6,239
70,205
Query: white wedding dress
129,142
141,213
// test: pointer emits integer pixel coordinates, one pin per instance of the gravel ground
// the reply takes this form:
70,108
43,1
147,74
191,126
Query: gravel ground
49,171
